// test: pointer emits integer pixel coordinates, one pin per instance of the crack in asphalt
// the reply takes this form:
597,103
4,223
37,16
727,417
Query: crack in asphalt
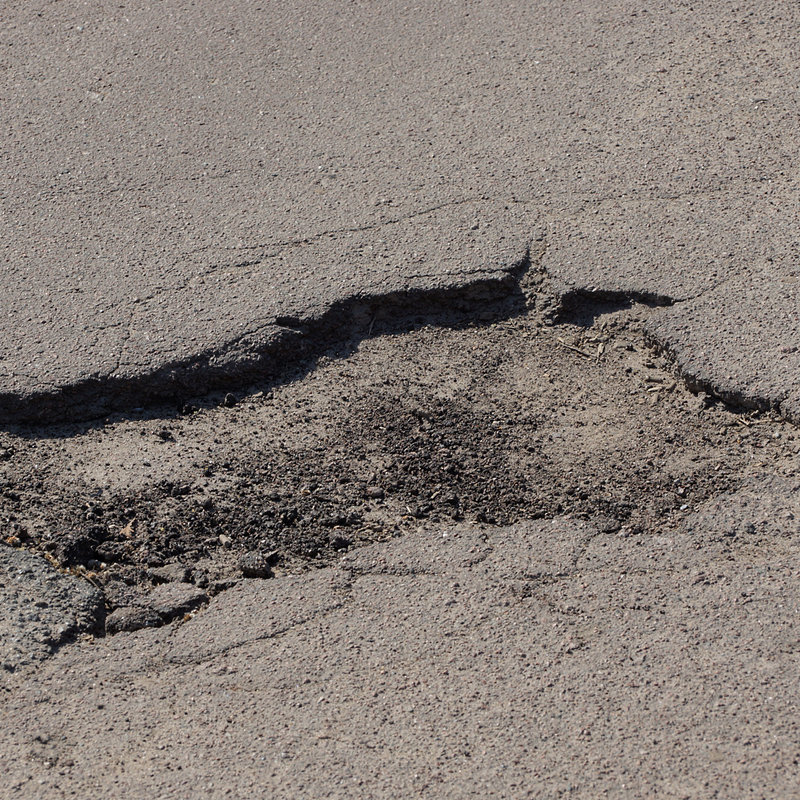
537,583
238,362
362,228
572,302
321,613
729,187
269,349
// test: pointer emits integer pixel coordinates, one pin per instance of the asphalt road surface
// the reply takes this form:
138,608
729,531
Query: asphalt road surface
179,180
541,661
197,197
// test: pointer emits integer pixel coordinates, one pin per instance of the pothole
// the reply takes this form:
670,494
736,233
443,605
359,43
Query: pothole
516,416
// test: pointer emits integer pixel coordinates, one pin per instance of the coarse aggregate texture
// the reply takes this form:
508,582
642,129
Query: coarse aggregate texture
411,390
41,609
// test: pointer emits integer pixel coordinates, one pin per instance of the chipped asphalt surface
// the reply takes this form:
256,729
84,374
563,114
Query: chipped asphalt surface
189,192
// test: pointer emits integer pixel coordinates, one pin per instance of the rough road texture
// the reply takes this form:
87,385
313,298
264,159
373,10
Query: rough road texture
521,662
178,180
428,312
642,645
513,418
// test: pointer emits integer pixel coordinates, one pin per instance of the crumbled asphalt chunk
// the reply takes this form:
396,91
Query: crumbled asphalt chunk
132,618
41,608
113,551
255,565
154,558
223,585
200,578
170,573
171,600
119,594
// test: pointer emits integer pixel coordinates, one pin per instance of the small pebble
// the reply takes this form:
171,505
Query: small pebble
255,565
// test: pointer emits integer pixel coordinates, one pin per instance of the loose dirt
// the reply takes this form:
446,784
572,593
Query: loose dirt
519,409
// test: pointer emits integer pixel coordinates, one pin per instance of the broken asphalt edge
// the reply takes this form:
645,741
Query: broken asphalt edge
571,302
268,352
272,350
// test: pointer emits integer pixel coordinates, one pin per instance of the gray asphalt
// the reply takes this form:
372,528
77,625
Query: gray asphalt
178,179
42,609
543,660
